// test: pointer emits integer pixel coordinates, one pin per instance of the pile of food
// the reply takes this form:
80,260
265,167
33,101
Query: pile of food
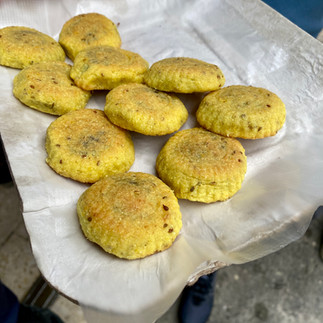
132,214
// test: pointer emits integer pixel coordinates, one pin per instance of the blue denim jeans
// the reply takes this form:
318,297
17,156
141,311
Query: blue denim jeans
306,14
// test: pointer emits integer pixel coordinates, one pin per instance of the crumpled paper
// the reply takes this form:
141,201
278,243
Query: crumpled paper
253,45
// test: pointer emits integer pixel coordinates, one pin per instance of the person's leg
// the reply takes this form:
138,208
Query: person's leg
197,300
11,311
9,305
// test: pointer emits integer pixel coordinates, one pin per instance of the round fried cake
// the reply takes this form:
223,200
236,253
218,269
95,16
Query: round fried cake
85,146
106,67
242,111
86,30
130,215
47,87
23,46
139,108
184,75
202,166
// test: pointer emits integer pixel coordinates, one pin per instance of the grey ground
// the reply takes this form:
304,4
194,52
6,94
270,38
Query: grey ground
284,287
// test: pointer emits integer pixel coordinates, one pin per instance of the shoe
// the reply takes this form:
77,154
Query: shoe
321,249
318,214
34,314
197,300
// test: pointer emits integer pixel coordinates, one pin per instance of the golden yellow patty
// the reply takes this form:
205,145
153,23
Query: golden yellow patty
23,46
86,30
242,111
202,166
47,87
139,108
85,146
106,67
130,215
184,75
